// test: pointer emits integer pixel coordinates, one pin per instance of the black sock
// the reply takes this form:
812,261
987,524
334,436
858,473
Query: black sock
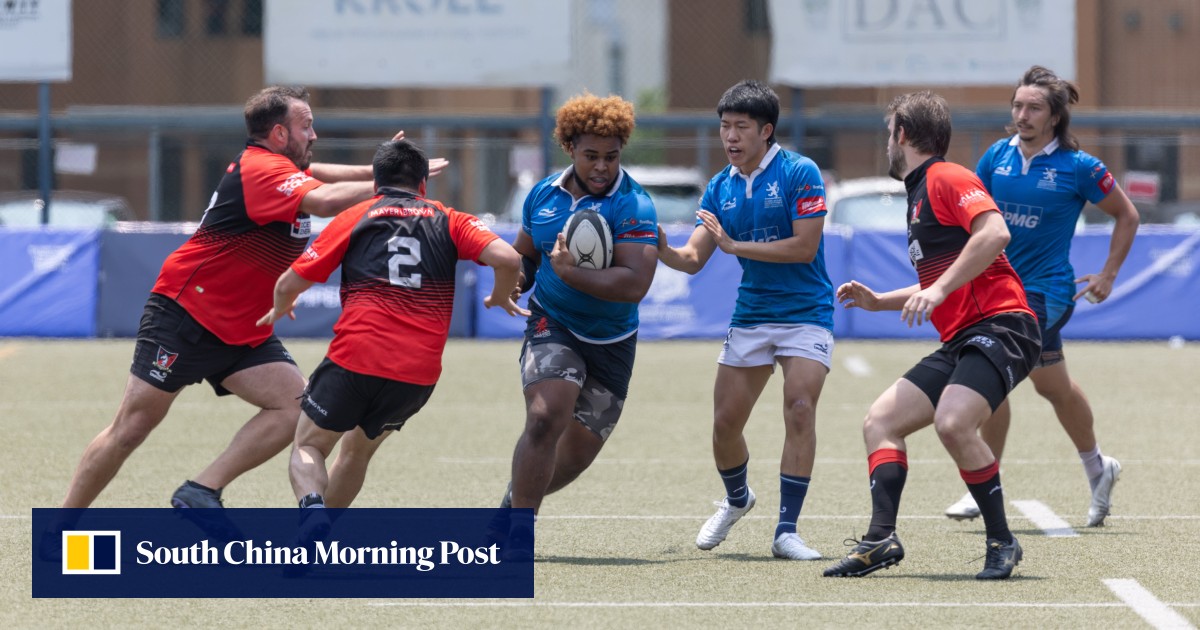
889,469
984,485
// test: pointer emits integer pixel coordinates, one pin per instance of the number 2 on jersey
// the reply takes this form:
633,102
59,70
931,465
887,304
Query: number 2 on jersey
412,258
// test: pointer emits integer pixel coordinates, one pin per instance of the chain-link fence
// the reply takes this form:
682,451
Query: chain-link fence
153,110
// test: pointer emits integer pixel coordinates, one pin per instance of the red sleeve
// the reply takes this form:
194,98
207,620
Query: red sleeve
273,187
326,252
470,234
961,196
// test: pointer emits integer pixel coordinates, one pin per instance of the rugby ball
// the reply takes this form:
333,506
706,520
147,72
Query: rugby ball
589,239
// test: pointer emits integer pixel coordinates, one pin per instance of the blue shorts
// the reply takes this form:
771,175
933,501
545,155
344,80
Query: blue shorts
1052,343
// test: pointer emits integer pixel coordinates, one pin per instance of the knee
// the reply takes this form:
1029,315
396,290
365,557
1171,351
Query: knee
129,431
953,431
542,425
799,415
874,428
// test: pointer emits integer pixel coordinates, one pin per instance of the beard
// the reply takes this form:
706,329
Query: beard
299,154
897,165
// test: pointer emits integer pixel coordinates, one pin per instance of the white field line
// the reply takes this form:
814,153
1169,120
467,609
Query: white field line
742,604
1045,519
1146,605
829,461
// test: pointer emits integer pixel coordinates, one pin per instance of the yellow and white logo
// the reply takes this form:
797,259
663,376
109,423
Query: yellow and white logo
91,552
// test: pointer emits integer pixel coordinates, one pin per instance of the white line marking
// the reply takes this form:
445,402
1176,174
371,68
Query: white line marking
536,604
825,461
1045,519
1146,605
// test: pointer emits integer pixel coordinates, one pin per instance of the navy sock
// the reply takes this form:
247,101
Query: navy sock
792,491
735,484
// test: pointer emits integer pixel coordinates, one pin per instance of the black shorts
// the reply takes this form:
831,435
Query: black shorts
609,363
990,357
173,350
338,400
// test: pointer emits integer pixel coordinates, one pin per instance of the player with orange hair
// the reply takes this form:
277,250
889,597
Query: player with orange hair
577,357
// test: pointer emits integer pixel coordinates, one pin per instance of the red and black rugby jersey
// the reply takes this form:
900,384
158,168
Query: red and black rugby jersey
943,199
398,254
224,275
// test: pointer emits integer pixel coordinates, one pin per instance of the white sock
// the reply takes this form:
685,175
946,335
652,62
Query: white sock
1093,465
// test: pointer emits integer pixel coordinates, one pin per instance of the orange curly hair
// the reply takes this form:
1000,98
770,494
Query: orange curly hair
610,117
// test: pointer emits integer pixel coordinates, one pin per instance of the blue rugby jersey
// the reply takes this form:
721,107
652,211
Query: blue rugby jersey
630,215
761,207
1041,200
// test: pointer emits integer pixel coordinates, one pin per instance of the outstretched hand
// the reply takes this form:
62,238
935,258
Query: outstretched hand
855,294
272,316
436,165
509,304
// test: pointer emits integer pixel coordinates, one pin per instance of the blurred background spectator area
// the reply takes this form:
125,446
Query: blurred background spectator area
152,112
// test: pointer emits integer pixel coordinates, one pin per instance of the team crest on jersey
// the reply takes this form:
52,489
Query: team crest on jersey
1049,179
773,199
301,226
164,359
916,213
595,207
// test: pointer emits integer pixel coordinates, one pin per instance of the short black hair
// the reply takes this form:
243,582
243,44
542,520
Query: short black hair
754,99
270,107
400,163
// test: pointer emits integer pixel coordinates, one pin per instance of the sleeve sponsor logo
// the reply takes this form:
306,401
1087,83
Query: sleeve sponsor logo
289,185
971,196
809,205
636,234
310,254
1106,183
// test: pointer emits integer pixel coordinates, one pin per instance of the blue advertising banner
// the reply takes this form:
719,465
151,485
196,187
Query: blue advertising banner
48,282
377,553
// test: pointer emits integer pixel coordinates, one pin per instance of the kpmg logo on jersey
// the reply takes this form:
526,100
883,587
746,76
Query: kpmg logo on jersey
1021,215
773,199
1049,179
378,553
91,552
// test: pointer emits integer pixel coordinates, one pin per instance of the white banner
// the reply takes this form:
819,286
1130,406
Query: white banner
35,40
418,43
919,42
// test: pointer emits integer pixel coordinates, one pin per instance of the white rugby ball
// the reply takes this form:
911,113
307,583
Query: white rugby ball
589,239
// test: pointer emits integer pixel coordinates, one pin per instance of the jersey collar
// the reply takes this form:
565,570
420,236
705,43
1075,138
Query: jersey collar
762,164
1050,148
561,182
